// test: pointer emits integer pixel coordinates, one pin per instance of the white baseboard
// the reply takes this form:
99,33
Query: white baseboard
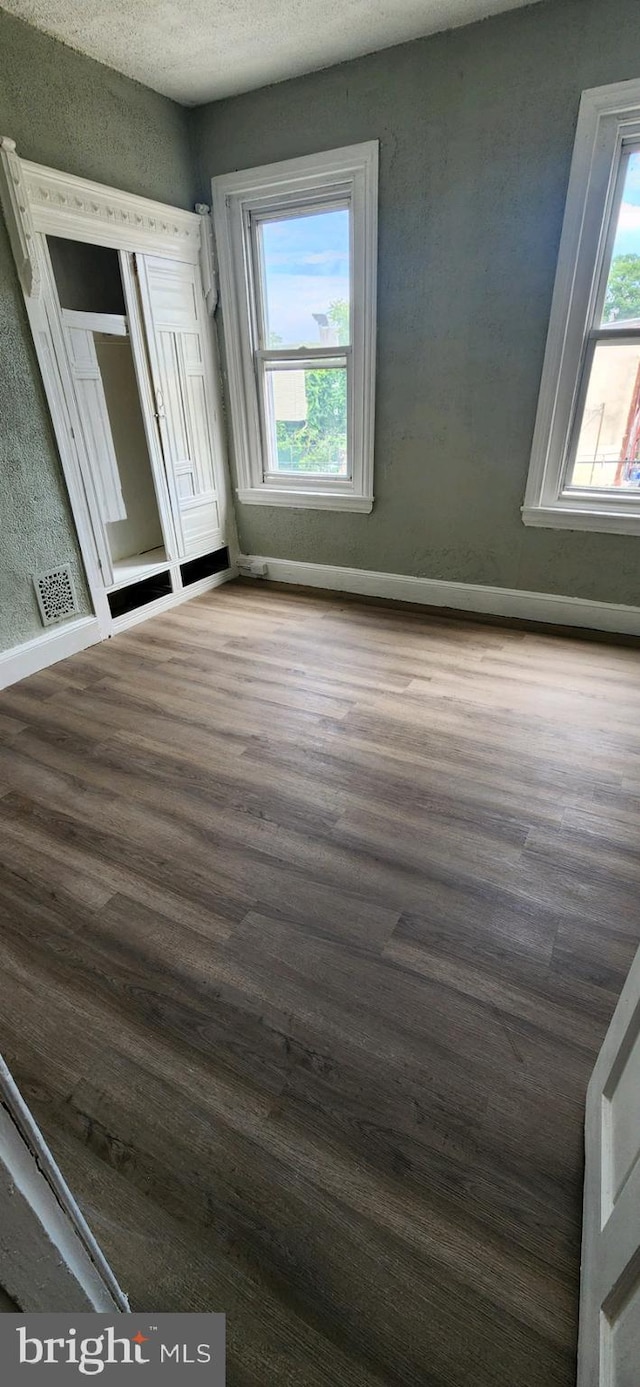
61,641
46,649
466,597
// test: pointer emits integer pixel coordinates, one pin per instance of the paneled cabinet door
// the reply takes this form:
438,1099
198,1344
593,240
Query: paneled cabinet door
609,1341
177,328
96,425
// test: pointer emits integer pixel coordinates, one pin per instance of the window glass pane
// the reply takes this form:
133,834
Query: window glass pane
306,292
308,410
608,453
622,297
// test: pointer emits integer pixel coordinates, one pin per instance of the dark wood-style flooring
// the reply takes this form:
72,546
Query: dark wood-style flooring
313,915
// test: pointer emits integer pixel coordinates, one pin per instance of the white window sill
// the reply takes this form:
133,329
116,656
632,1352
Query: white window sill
613,522
304,500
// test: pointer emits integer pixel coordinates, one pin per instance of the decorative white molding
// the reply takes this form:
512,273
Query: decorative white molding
207,258
147,235
46,649
15,200
545,607
64,205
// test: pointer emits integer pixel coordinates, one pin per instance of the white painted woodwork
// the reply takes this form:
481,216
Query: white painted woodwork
208,268
113,323
137,566
52,644
96,425
192,501
141,530
349,175
548,607
53,357
177,336
608,117
609,1341
139,349
49,1258
15,200
60,204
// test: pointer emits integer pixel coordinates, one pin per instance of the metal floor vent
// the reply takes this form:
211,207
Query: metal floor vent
56,595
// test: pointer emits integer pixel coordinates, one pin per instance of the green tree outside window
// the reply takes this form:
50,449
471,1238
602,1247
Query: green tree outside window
622,299
319,444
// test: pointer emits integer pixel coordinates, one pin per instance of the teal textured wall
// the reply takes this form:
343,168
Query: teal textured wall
71,113
476,130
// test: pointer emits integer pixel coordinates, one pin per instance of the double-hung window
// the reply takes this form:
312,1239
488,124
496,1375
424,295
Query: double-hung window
585,465
297,254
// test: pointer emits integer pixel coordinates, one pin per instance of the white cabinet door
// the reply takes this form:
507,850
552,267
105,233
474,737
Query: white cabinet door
179,353
609,1343
96,426
53,356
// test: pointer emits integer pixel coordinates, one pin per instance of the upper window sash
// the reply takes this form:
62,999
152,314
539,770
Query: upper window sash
608,131
284,209
244,205
626,148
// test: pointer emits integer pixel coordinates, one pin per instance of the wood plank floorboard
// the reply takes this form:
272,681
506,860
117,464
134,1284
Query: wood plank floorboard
313,915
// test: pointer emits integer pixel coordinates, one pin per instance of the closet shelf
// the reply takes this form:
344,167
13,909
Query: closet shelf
110,324
138,566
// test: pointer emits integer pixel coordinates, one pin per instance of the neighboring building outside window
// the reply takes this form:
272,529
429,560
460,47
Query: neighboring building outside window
585,464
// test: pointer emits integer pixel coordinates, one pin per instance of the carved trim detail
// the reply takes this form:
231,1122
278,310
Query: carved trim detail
16,204
208,258
62,204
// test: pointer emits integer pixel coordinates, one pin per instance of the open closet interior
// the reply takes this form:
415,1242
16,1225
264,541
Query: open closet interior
96,327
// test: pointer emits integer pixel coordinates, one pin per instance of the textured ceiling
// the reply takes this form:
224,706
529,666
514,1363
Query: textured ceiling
200,50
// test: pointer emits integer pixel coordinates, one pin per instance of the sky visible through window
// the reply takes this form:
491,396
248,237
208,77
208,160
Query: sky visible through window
622,296
306,264
627,240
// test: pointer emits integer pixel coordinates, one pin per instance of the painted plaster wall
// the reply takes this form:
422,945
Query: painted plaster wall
69,112
476,130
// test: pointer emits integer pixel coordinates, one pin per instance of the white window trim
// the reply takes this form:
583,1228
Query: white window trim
352,171
608,116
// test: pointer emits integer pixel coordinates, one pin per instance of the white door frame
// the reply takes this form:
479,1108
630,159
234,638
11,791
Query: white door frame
610,1274
49,1258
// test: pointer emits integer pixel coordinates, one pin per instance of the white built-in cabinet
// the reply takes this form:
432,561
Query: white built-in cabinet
120,293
